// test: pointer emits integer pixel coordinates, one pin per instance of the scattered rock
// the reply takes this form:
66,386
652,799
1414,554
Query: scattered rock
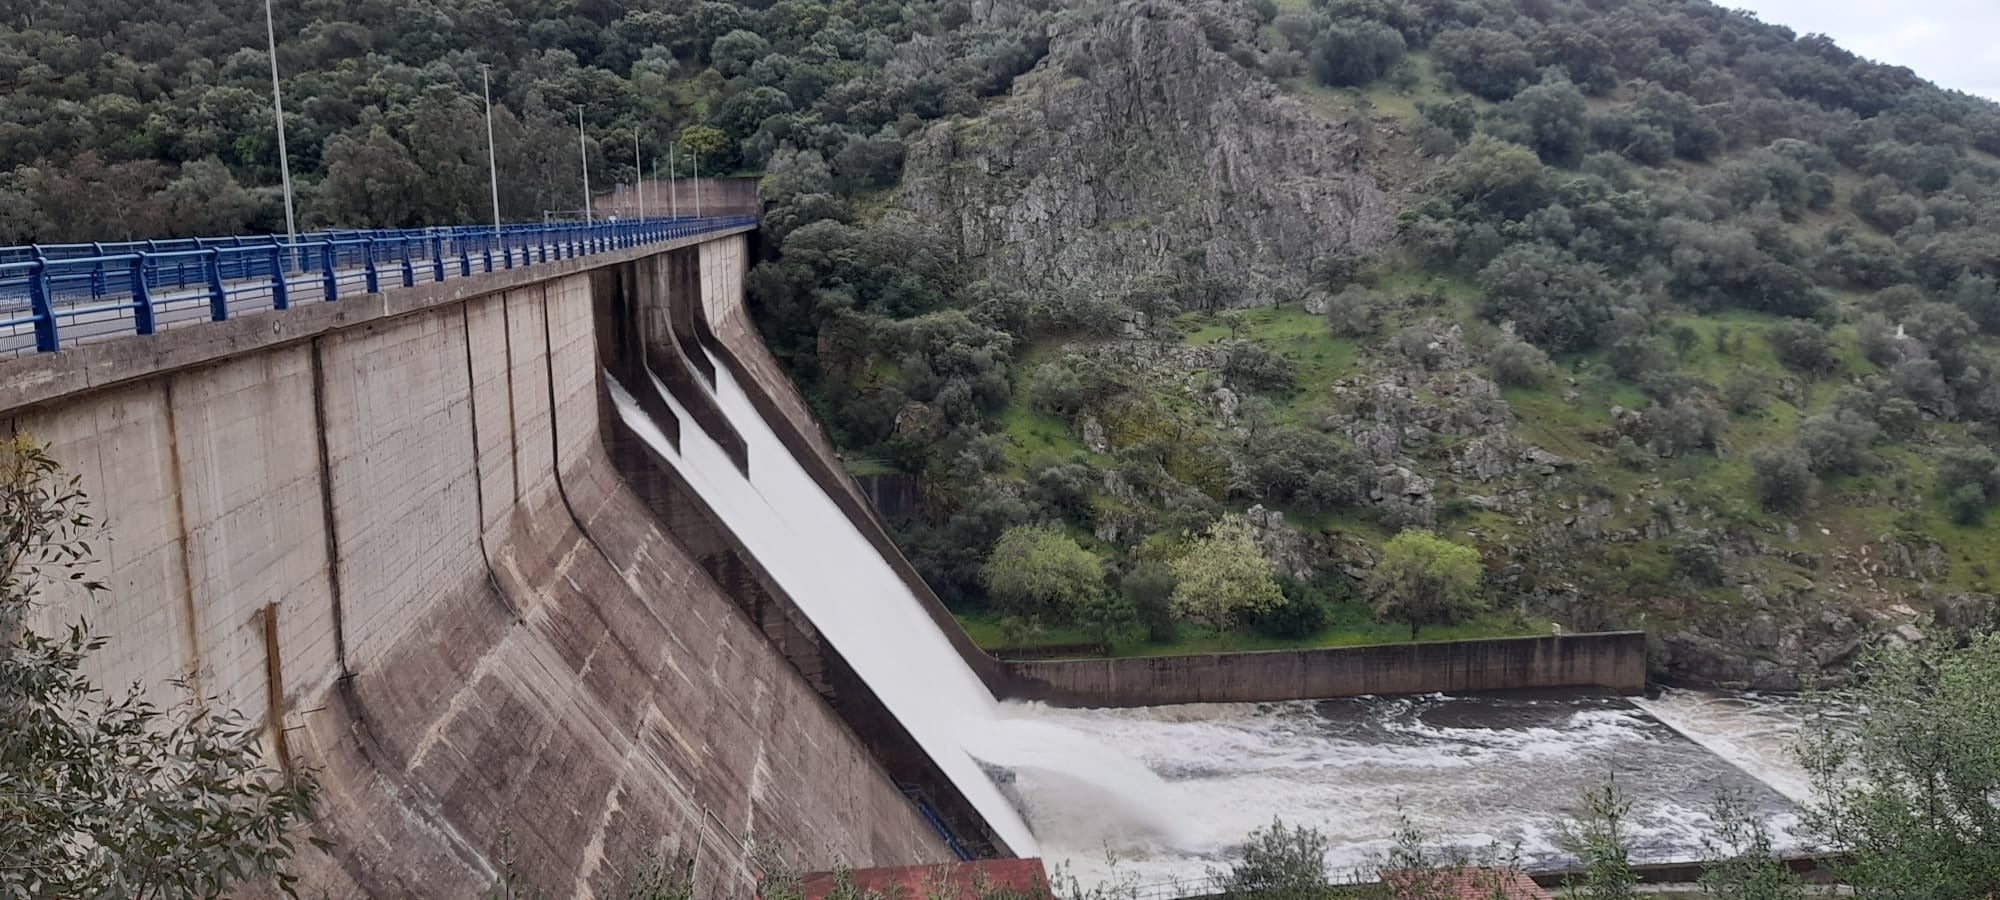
1093,435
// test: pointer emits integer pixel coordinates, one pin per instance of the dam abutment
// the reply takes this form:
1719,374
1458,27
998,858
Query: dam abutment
402,503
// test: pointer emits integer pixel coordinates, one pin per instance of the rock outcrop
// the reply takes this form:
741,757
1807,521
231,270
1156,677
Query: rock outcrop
1136,148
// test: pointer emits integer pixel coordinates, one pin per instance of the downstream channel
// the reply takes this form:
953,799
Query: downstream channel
1474,772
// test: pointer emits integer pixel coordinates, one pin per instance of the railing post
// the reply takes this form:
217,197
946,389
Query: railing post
328,277
464,256
506,252
142,297
39,304
97,287
280,291
218,300
374,275
437,257
488,244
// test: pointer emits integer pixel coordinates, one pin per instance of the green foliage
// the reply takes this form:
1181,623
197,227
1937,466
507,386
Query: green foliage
1222,577
1149,588
660,877
1967,505
703,143
1355,311
1423,579
1554,300
1518,364
1300,470
1548,117
1303,614
1783,478
1742,862
1492,64
1279,862
1038,571
1838,443
1801,345
1905,792
1969,467
106,796
1354,52
1597,833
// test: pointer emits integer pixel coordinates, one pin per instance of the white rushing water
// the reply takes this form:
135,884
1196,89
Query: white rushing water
1755,732
1469,771
860,605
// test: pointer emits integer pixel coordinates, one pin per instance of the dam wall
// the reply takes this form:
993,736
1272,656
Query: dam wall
389,529
1614,661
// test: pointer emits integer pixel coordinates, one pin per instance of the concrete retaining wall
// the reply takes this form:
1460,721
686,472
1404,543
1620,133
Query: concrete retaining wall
1613,661
479,629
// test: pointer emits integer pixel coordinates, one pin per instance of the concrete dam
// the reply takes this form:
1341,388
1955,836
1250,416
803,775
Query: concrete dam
526,547
476,552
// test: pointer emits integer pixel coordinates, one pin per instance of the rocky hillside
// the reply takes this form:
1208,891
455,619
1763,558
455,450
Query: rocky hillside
1682,321
1138,149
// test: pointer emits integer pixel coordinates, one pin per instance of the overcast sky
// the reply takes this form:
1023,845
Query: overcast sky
1955,43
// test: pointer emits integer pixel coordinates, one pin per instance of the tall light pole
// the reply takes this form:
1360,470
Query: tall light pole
673,184
638,172
278,112
492,157
583,156
697,184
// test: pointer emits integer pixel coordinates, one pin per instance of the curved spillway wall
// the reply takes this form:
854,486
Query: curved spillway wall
388,529
712,465
843,586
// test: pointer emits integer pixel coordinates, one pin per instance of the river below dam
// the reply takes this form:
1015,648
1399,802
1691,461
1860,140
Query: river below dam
1469,771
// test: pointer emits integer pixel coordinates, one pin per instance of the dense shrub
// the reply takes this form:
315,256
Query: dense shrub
1782,478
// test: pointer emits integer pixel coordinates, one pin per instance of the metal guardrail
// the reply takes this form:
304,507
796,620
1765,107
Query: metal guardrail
136,287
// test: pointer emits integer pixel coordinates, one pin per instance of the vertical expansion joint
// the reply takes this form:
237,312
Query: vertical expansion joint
479,469
329,522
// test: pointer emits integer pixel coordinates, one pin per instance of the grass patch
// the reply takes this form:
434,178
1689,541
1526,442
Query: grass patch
1352,625
1320,358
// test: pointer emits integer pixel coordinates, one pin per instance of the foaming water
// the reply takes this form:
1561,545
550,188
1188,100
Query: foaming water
863,608
1753,731
1471,771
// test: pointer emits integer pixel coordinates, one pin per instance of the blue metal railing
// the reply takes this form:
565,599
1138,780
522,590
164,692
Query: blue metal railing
47,288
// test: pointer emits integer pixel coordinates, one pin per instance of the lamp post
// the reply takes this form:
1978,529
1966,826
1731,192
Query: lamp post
673,185
638,172
278,112
492,157
583,156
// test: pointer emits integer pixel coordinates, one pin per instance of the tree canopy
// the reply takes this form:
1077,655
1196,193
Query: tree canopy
1222,576
1423,579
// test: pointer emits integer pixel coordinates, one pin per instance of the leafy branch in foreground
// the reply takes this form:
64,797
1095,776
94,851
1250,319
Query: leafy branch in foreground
104,796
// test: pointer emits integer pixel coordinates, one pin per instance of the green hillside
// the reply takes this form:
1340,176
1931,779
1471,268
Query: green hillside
1681,320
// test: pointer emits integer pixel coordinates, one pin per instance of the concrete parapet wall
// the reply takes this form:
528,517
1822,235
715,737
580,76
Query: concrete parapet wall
1613,661
480,629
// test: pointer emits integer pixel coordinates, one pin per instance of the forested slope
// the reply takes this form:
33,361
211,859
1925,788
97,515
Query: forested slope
1679,319
1683,322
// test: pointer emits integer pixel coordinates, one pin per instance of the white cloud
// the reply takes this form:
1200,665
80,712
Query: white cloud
1950,42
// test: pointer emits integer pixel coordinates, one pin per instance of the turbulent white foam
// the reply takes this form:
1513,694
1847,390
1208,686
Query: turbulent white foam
1471,772
1753,731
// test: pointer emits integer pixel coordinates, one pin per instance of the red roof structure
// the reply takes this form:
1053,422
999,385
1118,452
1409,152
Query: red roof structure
1469,883
960,879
